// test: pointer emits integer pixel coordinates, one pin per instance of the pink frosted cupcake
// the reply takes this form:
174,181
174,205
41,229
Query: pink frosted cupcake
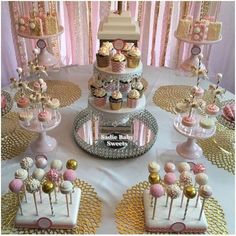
103,58
100,97
118,62
133,98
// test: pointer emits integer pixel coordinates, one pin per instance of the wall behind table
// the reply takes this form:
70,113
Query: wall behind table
222,57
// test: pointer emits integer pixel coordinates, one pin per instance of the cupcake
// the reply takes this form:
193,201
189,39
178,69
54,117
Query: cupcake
103,58
110,47
133,57
118,62
125,86
116,100
132,98
100,97
138,86
96,84
126,48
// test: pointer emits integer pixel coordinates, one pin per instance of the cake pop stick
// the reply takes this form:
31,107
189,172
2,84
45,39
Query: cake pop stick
173,191
199,68
39,174
70,175
72,164
15,186
23,175
156,191
47,188
66,188
26,163
219,77
169,179
200,179
205,192
32,186
185,180
189,192
54,176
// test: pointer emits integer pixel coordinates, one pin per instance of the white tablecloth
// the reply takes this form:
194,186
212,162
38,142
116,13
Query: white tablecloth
112,178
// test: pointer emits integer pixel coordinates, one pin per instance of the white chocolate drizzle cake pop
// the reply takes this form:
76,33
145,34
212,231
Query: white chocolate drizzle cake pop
153,167
56,164
38,174
26,163
201,179
21,174
183,166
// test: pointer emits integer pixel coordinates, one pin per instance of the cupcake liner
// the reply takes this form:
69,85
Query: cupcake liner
115,104
102,61
100,102
132,103
132,62
118,66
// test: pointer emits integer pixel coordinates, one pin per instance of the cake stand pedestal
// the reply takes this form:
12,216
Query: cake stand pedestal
189,149
43,143
45,58
193,60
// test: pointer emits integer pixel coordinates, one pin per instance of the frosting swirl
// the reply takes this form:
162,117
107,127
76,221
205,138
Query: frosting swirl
116,94
103,51
128,46
118,57
137,85
108,45
134,94
99,92
134,52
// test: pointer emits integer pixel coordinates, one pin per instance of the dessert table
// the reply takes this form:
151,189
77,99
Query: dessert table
111,178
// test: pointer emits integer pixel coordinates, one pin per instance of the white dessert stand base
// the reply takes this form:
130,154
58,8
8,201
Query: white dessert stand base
189,149
175,224
44,219
43,143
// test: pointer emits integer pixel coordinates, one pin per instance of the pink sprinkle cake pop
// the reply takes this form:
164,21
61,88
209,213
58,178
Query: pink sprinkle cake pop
53,175
69,175
198,168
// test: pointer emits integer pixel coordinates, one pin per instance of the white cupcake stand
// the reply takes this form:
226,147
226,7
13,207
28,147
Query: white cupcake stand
189,149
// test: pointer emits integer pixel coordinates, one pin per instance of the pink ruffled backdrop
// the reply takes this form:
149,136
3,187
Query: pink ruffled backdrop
158,21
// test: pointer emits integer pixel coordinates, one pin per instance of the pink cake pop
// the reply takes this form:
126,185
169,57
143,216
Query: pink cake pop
70,175
198,168
41,161
15,186
169,179
54,176
156,191
169,167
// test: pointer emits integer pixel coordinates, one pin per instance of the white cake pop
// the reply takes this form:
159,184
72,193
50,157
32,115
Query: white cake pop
201,179
183,166
21,174
205,192
66,188
38,174
56,164
153,167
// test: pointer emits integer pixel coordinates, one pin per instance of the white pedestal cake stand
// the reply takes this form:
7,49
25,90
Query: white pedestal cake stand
189,149
193,59
45,57
43,143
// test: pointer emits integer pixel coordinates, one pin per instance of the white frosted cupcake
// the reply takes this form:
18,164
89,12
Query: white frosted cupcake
133,57
132,98
126,48
116,100
138,86
103,57
100,97
118,62
110,47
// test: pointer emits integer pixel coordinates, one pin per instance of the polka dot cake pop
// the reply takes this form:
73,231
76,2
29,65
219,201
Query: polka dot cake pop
169,179
26,163
185,179
183,166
